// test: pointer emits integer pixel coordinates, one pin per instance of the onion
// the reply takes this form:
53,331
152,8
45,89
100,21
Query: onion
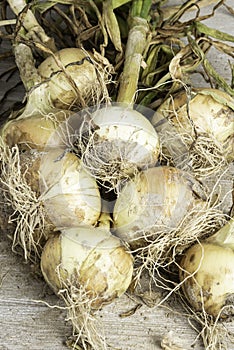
120,141
46,190
36,131
65,80
155,200
71,77
20,181
69,194
207,273
197,130
88,257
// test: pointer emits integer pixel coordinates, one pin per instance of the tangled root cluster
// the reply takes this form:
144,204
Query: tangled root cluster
212,331
27,215
161,253
87,330
202,156
99,157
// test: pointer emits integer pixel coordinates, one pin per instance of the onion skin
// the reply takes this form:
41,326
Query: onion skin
209,112
212,285
90,257
123,141
30,162
81,76
34,132
69,194
157,197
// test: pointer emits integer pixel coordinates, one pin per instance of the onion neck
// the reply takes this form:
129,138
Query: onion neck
38,102
26,64
104,219
136,43
225,236
104,222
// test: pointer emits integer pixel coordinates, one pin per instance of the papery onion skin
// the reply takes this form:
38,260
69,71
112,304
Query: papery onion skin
34,132
211,112
157,198
81,75
123,141
69,194
212,285
30,162
90,257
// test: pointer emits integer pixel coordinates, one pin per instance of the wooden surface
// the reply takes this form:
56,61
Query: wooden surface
26,323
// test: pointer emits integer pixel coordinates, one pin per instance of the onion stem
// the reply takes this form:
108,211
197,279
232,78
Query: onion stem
26,64
30,23
135,46
30,28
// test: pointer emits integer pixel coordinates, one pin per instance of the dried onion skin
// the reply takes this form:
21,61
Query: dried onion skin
90,257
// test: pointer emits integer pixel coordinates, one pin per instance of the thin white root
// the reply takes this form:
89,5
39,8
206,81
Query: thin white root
28,215
161,252
212,331
87,330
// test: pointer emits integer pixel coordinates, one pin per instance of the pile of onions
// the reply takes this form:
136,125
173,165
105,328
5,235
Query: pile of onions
207,273
154,201
197,130
90,257
116,142
53,165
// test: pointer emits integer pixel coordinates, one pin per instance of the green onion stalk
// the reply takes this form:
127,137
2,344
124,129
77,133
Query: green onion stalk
136,43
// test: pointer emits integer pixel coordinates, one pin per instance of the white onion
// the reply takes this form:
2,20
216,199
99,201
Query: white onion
154,200
91,258
69,194
122,140
36,131
207,273
70,75
197,130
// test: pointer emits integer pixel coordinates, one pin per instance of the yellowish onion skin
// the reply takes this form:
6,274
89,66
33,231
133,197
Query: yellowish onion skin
81,75
98,262
34,132
157,198
124,140
69,194
209,113
212,285
30,161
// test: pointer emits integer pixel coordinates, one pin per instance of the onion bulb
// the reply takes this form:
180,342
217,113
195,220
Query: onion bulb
71,76
88,257
35,132
207,273
154,200
120,141
46,191
69,194
197,130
